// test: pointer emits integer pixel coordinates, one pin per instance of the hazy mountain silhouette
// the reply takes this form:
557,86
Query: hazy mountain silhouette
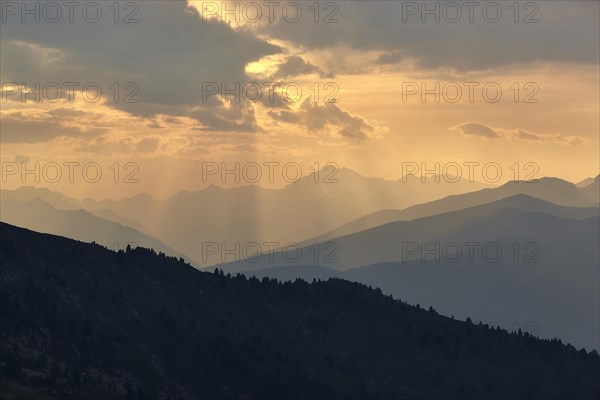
593,189
62,202
549,189
110,215
502,220
586,182
38,215
80,321
253,214
54,198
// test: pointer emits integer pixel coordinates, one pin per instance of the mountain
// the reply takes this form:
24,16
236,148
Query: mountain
593,189
28,193
545,300
77,224
581,200
540,297
80,321
546,272
586,182
110,215
62,202
503,221
250,214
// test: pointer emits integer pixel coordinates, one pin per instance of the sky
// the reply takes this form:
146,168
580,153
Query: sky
102,101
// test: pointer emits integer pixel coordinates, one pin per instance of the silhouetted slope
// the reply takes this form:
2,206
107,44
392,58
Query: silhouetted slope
501,222
546,197
542,269
508,294
80,321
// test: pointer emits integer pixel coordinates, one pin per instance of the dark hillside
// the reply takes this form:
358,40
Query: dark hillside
81,322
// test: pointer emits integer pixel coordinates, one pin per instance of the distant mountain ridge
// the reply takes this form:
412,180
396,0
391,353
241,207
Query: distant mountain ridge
37,214
587,181
226,218
251,214
551,190
500,220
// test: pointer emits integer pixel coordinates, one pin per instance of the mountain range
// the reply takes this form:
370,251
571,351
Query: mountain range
552,190
252,214
80,321
516,260
187,221
546,230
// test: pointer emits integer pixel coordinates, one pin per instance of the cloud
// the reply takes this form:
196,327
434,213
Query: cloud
522,134
481,130
315,117
20,127
476,129
295,66
67,112
168,55
392,57
465,45
228,116
105,145
147,145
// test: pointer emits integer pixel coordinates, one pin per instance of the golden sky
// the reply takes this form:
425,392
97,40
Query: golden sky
373,63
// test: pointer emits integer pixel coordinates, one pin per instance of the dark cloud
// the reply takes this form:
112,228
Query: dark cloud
295,66
167,55
17,128
565,32
234,116
314,117
391,57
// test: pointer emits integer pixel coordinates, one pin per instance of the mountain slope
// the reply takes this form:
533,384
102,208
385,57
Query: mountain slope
81,225
563,304
593,189
585,182
28,193
83,322
547,302
560,198
251,214
62,202
501,221
536,268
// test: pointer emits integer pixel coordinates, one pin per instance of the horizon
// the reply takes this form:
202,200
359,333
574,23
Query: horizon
221,185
